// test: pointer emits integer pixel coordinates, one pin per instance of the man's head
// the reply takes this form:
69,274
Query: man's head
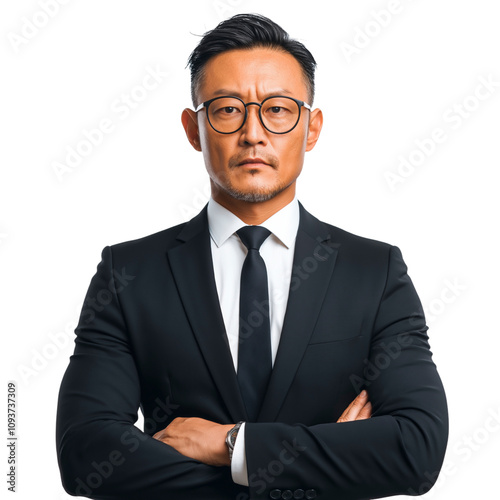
251,58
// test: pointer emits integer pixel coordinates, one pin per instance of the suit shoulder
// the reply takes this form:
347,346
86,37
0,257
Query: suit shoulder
146,246
346,237
338,236
361,252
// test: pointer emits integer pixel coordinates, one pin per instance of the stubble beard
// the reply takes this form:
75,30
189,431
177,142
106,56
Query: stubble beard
255,196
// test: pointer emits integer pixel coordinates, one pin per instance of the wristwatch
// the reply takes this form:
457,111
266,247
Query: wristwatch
231,438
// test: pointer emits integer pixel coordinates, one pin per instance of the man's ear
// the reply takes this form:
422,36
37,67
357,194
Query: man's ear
315,126
190,123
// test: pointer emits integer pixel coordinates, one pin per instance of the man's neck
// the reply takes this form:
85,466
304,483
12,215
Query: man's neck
255,213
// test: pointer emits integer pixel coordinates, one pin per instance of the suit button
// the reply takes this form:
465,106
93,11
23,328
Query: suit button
310,494
275,494
298,494
287,495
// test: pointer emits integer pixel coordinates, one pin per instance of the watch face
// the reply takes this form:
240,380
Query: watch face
233,434
233,437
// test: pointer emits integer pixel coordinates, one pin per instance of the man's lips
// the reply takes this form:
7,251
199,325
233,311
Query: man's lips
253,161
245,160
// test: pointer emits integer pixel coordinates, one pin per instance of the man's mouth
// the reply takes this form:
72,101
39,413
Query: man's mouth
253,162
245,160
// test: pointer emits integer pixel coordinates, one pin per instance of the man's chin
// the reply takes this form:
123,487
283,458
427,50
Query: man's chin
254,195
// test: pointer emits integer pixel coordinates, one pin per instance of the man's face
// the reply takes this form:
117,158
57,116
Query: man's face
253,164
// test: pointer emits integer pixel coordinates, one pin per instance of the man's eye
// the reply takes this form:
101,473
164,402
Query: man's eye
276,109
229,110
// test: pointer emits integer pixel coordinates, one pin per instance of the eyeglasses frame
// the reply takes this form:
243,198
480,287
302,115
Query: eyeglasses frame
206,105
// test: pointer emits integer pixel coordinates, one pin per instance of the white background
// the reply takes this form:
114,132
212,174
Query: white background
400,82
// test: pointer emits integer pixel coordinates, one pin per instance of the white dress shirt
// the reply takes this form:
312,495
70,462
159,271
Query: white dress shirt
228,255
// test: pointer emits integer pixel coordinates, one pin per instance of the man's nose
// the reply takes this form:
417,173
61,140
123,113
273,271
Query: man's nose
253,131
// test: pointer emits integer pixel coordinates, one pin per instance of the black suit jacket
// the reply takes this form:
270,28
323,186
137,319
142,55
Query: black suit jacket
151,335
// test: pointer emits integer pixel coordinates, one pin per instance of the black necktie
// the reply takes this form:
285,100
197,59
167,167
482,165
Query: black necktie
254,352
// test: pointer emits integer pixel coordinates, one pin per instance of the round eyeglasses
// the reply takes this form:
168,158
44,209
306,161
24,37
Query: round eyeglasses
278,114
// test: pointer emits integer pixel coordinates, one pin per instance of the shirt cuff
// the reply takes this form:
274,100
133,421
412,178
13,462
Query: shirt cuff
239,461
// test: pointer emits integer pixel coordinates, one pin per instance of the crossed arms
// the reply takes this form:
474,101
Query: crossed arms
102,455
204,441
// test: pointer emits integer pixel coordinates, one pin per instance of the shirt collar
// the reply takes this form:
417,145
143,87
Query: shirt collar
284,224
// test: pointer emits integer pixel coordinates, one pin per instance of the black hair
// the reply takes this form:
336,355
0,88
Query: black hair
246,31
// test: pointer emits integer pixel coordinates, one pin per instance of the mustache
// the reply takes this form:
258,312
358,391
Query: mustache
236,159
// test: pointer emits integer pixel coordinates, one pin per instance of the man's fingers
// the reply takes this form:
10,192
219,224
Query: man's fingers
358,409
366,412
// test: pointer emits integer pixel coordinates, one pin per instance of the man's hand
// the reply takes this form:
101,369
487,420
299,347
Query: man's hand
197,438
359,409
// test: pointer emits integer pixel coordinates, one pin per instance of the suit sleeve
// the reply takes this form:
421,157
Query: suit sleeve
101,454
399,451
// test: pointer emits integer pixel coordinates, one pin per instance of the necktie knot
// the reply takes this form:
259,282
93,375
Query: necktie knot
253,236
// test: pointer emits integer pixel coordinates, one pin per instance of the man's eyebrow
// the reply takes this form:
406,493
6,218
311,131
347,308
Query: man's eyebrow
238,94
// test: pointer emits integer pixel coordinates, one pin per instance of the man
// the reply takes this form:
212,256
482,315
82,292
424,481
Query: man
244,333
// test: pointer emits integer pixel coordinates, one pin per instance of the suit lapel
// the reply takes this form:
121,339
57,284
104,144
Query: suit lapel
313,264
191,263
